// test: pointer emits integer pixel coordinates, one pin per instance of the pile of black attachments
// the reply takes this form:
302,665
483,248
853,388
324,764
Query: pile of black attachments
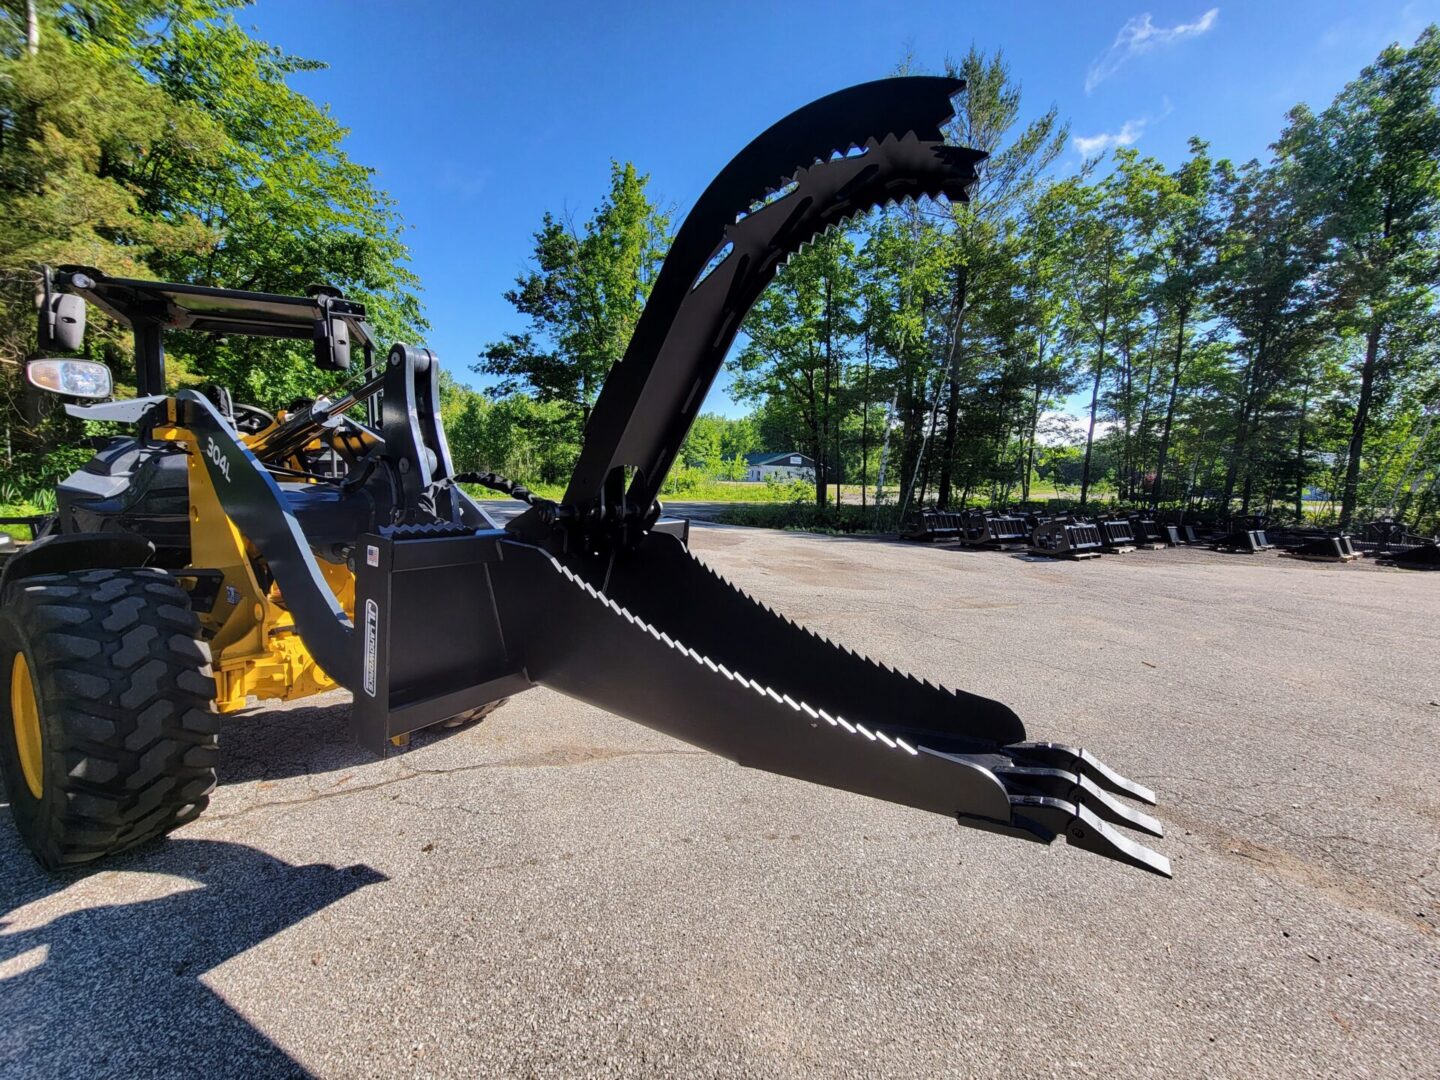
1391,543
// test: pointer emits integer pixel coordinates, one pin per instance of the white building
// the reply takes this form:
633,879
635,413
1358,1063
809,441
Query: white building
786,466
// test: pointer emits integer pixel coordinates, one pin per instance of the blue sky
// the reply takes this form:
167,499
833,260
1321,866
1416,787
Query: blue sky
479,117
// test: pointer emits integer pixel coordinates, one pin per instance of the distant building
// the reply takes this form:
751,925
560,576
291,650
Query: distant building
787,466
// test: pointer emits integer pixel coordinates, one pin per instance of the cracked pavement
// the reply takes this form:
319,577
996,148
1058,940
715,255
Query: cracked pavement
558,892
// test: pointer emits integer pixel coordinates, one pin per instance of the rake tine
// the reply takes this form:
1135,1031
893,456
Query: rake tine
1084,830
1058,783
1075,759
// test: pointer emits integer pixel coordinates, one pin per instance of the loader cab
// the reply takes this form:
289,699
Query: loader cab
370,454
334,325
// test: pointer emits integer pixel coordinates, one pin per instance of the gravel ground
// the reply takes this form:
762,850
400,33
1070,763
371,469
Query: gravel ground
557,892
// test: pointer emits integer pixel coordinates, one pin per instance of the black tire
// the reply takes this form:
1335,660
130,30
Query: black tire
125,703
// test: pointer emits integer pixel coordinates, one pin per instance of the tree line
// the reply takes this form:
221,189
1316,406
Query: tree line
1251,336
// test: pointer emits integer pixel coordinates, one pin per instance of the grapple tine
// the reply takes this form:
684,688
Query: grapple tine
1077,788
1075,759
1119,812
1084,830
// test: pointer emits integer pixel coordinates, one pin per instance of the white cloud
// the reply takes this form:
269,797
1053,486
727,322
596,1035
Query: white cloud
1140,35
1094,145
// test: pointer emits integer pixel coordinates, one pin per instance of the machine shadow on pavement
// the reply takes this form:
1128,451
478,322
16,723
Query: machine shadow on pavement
115,989
267,743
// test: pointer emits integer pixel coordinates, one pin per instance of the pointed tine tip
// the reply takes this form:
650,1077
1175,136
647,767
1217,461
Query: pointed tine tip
1117,812
1091,834
1115,781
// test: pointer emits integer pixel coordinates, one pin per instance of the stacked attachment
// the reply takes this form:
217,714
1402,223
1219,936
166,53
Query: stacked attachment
1243,541
1324,549
1147,533
1066,538
983,529
930,525
1420,557
1116,536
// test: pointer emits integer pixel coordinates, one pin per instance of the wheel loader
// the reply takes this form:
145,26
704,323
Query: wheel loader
222,555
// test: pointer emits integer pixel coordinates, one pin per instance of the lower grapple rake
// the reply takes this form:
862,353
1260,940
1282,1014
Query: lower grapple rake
656,636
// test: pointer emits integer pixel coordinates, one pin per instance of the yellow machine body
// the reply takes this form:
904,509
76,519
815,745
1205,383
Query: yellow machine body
256,650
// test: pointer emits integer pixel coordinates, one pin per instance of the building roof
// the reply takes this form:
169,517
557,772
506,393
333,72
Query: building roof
766,457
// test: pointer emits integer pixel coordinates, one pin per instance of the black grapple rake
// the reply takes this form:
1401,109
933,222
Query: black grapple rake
608,610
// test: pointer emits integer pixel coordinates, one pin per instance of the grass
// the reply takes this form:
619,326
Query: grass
18,509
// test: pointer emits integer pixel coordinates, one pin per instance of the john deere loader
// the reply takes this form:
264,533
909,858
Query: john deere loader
222,554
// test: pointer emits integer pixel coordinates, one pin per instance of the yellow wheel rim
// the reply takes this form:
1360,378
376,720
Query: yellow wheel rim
25,714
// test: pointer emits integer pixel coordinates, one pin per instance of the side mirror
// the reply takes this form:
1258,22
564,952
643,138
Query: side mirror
332,345
72,378
62,322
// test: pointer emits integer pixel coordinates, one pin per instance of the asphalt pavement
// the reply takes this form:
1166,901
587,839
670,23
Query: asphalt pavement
557,892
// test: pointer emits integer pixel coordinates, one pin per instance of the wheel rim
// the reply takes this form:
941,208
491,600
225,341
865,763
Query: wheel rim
25,714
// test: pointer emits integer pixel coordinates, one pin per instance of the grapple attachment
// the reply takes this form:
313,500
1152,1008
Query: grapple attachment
598,598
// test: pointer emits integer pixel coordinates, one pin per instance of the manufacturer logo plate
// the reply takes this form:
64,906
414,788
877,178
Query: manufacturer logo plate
372,634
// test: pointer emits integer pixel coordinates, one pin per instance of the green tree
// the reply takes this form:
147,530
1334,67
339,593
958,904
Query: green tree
1270,255
1180,214
158,139
1368,170
983,267
1097,224
801,335
582,298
